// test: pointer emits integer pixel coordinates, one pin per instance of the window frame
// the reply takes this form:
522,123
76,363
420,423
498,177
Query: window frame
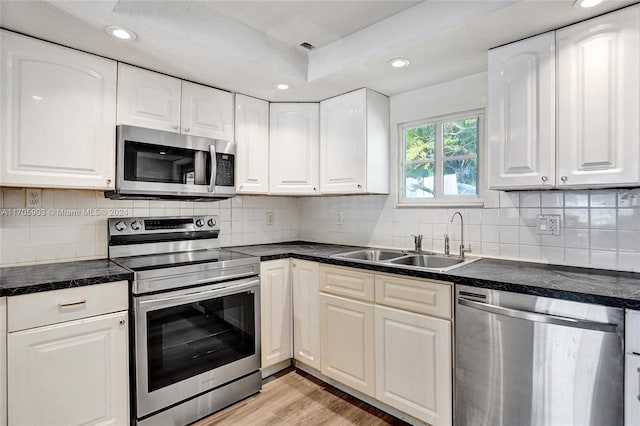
441,199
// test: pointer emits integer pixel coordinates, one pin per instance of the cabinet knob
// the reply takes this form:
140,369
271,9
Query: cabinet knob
315,189
187,130
563,178
359,186
122,322
108,181
176,127
544,178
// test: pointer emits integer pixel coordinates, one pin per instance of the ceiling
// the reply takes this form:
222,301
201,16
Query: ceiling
250,46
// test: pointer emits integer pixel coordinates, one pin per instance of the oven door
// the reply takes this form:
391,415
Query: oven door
193,340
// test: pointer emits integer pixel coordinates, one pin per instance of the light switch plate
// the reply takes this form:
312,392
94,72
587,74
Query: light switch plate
548,224
270,218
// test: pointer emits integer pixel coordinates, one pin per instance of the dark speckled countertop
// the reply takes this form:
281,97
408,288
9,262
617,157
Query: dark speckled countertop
17,280
604,287
610,288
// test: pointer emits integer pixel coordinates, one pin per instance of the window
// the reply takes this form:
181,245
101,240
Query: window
439,159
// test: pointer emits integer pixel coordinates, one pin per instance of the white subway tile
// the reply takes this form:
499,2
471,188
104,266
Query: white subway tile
553,255
576,218
509,216
553,199
629,218
629,261
490,249
603,218
604,259
576,238
529,252
576,256
576,199
511,251
629,240
602,199
509,235
509,199
490,217
529,199
490,234
529,236
13,198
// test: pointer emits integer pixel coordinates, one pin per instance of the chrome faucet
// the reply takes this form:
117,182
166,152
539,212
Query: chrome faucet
417,242
462,247
446,244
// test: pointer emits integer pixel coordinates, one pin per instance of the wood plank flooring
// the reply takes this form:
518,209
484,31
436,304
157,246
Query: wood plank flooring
293,397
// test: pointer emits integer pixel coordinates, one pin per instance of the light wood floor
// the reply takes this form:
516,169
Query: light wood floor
295,398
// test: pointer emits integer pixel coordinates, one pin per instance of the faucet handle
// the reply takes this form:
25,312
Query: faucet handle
417,242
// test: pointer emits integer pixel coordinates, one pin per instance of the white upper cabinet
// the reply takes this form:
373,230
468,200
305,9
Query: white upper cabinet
598,101
157,101
58,116
252,137
354,144
206,112
293,148
522,114
148,99
596,97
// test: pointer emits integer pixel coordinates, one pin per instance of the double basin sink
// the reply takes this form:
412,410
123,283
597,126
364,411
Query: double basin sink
415,260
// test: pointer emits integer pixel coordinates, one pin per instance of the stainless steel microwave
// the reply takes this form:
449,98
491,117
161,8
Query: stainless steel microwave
154,164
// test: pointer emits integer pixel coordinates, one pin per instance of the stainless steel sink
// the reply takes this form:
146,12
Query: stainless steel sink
371,255
428,261
432,262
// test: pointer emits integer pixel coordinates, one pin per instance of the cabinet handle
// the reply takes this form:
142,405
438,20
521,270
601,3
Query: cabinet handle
544,178
563,178
70,304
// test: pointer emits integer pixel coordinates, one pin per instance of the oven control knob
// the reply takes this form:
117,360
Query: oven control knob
136,226
211,222
120,226
199,223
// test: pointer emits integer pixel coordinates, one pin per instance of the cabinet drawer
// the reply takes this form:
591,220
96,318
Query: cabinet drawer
421,296
347,282
632,330
51,307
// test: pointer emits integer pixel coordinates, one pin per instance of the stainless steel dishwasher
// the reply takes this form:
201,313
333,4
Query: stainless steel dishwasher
536,361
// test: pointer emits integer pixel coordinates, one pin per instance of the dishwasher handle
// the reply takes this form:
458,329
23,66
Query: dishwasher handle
538,317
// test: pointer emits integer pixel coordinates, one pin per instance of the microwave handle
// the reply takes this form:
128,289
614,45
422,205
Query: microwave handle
214,168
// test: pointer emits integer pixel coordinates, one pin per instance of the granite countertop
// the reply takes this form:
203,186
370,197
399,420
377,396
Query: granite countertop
16,280
610,288
604,287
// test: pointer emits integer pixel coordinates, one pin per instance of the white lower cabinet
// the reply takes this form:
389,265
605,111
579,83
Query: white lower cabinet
69,372
306,312
413,364
347,343
632,369
275,312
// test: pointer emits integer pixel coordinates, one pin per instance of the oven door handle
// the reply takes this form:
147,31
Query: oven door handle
214,168
195,295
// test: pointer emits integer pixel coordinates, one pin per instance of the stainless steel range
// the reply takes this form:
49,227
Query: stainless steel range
196,317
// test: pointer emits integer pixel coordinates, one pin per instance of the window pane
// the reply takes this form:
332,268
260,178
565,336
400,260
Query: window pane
460,177
419,143
460,137
419,180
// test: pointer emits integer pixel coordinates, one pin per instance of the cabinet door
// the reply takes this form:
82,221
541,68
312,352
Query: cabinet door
521,106
632,390
413,364
294,148
306,312
58,116
206,112
148,99
343,143
74,373
275,315
347,342
598,100
3,361
252,137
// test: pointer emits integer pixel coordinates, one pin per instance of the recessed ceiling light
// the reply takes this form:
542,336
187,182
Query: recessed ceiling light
282,86
587,3
399,62
121,33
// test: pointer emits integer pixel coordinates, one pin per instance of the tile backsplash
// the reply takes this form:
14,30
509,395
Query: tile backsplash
599,228
72,224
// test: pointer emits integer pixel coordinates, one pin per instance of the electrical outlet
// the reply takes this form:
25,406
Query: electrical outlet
340,218
34,198
548,224
270,218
